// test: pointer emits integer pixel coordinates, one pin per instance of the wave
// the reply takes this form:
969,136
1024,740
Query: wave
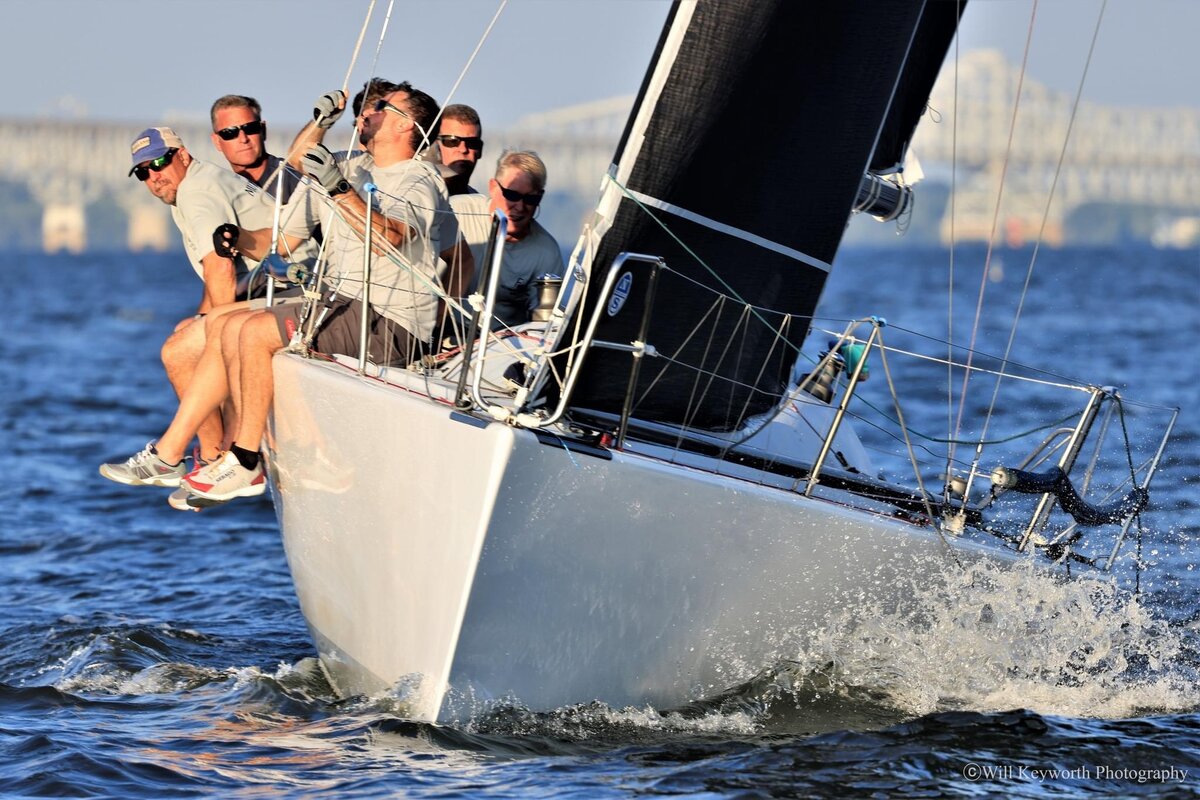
989,639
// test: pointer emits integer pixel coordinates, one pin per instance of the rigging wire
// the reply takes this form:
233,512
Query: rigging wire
950,277
358,45
1062,154
470,60
962,401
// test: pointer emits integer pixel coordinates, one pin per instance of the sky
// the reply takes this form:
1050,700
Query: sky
150,63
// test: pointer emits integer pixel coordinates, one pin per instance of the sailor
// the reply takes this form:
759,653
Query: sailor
329,109
529,250
459,147
410,210
200,195
240,134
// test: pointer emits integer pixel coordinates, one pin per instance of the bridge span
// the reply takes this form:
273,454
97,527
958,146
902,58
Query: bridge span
63,184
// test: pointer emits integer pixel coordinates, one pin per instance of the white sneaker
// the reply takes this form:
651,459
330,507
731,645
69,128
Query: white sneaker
225,479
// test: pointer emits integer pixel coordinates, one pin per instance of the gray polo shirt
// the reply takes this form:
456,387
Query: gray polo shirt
209,197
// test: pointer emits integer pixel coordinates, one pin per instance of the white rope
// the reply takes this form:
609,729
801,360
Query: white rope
950,279
358,45
387,17
1012,334
962,400
471,60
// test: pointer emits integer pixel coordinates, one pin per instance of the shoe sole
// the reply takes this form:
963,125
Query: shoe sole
246,491
163,482
184,500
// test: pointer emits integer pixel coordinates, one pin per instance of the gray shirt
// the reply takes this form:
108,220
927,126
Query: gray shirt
411,192
306,252
209,197
523,262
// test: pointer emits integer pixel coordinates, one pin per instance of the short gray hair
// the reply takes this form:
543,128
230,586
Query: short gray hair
234,101
526,161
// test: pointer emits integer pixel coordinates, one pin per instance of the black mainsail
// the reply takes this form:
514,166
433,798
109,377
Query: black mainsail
739,166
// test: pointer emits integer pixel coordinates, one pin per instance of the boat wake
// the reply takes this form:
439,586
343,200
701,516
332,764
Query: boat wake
981,638
986,638
159,659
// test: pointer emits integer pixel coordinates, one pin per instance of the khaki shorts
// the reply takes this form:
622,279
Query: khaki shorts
388,343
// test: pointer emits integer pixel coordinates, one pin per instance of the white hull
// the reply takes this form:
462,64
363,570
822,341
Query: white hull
430,551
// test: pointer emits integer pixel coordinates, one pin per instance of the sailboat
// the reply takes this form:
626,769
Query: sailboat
654,490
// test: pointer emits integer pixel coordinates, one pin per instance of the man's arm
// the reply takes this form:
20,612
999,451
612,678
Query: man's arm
462,267
255,244
220,282
385,231
326,111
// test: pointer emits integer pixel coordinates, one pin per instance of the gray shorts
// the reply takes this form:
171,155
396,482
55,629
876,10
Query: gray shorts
388,343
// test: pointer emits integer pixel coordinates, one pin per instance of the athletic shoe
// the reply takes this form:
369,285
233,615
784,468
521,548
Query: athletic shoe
225,479
145,469
182,498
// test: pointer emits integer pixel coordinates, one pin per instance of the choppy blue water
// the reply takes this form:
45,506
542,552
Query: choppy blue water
149,653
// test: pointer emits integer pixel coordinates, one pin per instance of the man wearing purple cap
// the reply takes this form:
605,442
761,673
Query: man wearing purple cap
202,197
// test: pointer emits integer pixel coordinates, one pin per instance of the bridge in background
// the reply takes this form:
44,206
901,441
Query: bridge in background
68,178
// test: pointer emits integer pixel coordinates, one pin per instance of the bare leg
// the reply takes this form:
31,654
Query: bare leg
181,354
202,398
259,341
230,337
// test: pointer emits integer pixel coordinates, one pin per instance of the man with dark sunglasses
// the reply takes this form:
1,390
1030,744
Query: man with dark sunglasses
459,147
529,250
240,134
202,197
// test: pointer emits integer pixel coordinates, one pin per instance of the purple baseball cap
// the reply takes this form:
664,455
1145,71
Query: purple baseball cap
152,143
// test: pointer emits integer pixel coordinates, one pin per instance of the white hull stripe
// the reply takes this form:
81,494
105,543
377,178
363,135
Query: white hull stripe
729,230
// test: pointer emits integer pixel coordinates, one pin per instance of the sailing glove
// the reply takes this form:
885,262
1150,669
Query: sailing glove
328,108
320,165
225,239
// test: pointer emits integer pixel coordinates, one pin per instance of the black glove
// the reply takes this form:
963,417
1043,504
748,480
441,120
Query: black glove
320,165
225,239
329,108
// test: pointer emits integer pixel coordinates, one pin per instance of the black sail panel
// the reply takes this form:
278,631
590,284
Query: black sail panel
934,34
739,167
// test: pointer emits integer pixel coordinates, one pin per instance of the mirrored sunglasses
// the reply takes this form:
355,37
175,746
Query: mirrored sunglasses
142,171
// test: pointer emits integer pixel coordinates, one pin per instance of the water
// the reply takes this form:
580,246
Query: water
149,653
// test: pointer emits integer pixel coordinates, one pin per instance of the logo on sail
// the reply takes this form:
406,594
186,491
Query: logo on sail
620,293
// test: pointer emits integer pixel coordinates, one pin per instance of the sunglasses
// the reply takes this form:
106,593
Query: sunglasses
142,171
250,129
531,199
472,142
384,105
